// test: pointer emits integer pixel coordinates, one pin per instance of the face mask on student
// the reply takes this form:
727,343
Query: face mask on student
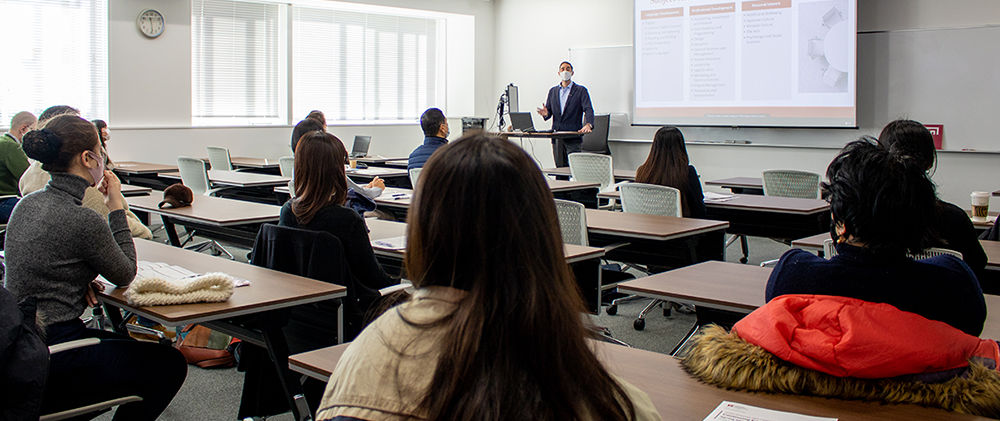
96,173
567,75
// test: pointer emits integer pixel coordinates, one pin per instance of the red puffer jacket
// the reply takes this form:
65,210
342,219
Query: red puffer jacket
847,337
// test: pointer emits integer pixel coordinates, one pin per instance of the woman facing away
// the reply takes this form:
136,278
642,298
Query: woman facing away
495,328
55,248
668,165
952,227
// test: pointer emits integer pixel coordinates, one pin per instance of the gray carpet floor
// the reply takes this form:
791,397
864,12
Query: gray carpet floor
214,394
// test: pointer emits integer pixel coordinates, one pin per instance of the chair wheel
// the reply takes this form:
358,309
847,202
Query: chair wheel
743,260
612,310
666,310
639,324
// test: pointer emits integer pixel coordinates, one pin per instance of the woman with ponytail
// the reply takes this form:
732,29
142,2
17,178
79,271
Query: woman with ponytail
55,248
496,326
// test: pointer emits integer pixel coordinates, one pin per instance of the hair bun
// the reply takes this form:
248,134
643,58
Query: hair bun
42,145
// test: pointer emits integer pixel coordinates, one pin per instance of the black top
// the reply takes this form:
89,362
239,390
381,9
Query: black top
940,288
350,229
693,196
956,232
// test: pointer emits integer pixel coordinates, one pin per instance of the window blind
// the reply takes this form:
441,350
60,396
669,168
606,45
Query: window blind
237,62
357,66
55,52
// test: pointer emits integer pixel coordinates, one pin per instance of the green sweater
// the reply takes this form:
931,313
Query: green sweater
13,163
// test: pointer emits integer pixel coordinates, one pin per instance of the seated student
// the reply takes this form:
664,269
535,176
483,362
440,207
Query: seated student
35,178
882,207
320,193
54,250
318,116
105,133
951,227
495,328
667,165
371,190
14,162
435,127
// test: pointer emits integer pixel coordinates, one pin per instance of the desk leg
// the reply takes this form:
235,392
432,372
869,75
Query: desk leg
171,231
277,348
340,320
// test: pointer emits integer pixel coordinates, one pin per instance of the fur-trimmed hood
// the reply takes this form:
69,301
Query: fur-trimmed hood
726,360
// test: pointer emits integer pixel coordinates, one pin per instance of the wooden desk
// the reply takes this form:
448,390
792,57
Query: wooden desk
268,291
255,163
983,225
379,160
992,249
584,261
569,190
812,243
620,175
129,190
744,185
677,395
396,163
238,179
214,214
142,168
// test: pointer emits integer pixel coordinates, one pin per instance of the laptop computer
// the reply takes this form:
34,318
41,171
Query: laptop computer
521,122
361,144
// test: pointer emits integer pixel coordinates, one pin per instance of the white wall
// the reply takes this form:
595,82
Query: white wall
532,45
150,84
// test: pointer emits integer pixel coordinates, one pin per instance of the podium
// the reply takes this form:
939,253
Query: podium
539,135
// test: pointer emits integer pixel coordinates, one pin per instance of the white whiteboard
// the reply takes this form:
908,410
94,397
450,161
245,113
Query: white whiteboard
607,74
938,76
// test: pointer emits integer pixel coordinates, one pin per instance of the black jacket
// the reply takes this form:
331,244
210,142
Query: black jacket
955,231
24,360
578,111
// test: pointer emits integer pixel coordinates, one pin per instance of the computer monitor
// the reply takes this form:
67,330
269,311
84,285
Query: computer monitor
512,98
522,122
361,144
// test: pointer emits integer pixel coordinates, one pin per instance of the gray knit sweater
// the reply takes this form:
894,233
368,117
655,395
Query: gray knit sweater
55,248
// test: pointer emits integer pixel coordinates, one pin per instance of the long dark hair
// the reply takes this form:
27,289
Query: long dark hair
101,125
319,174
667,163
516,347
884,200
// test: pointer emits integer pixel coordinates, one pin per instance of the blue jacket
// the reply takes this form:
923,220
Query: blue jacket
578,109
941,288
423,152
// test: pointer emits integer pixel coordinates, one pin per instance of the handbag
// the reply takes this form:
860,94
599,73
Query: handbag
206,348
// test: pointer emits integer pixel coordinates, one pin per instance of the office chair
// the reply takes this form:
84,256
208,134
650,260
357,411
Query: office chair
597,140
649,199
783,183
194,175
414,174
594,168
219,158
287,166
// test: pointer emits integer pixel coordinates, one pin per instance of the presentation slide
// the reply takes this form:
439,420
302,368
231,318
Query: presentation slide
789,63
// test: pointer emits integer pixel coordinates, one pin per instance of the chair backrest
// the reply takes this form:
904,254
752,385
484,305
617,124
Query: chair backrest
934,252
572,222
828,249
597,140
291,188
651,199
194,174
414,174
791,183
219,158
592,168
287,166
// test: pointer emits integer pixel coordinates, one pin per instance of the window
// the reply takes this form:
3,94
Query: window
365,66
55,52
238,63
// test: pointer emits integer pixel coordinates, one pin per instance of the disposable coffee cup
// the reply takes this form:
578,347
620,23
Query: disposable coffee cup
354,163
980,205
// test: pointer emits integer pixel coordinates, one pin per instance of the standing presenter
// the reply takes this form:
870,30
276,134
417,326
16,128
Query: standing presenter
568,104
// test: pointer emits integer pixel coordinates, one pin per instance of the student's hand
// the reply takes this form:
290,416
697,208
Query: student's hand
377,182
95,287
111,188
544,112
587,128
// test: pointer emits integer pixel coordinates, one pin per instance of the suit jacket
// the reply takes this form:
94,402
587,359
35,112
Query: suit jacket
578,108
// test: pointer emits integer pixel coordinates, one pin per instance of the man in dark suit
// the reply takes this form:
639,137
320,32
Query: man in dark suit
568,104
